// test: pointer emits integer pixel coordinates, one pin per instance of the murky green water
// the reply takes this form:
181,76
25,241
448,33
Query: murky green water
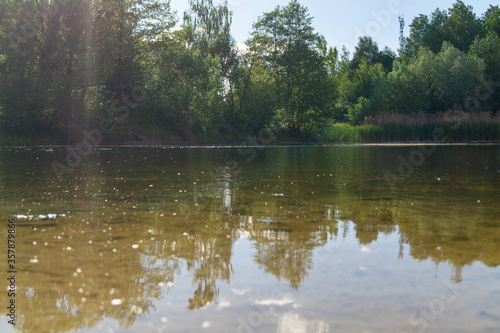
281,239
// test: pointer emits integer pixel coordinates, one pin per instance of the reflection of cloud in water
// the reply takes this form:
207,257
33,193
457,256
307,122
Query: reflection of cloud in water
293,323
223,304
280,302
240,292
242,233
227,197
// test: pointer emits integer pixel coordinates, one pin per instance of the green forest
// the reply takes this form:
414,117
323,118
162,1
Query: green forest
135,71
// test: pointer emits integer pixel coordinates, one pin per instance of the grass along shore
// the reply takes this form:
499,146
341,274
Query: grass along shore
452,127
456,126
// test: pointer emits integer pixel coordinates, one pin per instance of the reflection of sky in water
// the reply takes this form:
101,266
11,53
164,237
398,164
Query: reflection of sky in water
293,323
312,244
347,288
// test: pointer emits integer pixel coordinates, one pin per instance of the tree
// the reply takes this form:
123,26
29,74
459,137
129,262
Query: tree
184,85
456,77
46,66
121,28
429,32
284,41
409,85
369,50
20,105
64,61
492,19
359,96
386,58
434,82
208,29
488,49
418,29
463,26
252,93
458,26
186,70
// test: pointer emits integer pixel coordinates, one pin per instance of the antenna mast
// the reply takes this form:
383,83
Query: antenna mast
401,30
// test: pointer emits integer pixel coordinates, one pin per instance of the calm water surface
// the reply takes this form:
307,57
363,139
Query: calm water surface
281,239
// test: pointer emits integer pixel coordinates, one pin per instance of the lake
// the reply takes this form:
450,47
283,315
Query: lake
253,239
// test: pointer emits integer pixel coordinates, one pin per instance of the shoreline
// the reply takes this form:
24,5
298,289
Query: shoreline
277,144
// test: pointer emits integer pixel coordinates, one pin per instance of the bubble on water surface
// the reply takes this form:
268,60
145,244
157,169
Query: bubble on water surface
364,249
116,302
136,309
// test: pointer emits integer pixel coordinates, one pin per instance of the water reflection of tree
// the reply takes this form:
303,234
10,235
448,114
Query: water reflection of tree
73,289
460,237
284,244
285,256
196,239
209,261
70,289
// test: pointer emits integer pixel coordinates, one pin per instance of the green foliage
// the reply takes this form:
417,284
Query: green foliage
408,87
435,82
359,96
455,77
345,133
192,103
463,26
458,26
63,60
492,19
43,77
368,49
254,99
67,64
359,111
284,42
488,49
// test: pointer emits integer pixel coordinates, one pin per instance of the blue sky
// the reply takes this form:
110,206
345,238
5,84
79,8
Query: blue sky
342,22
